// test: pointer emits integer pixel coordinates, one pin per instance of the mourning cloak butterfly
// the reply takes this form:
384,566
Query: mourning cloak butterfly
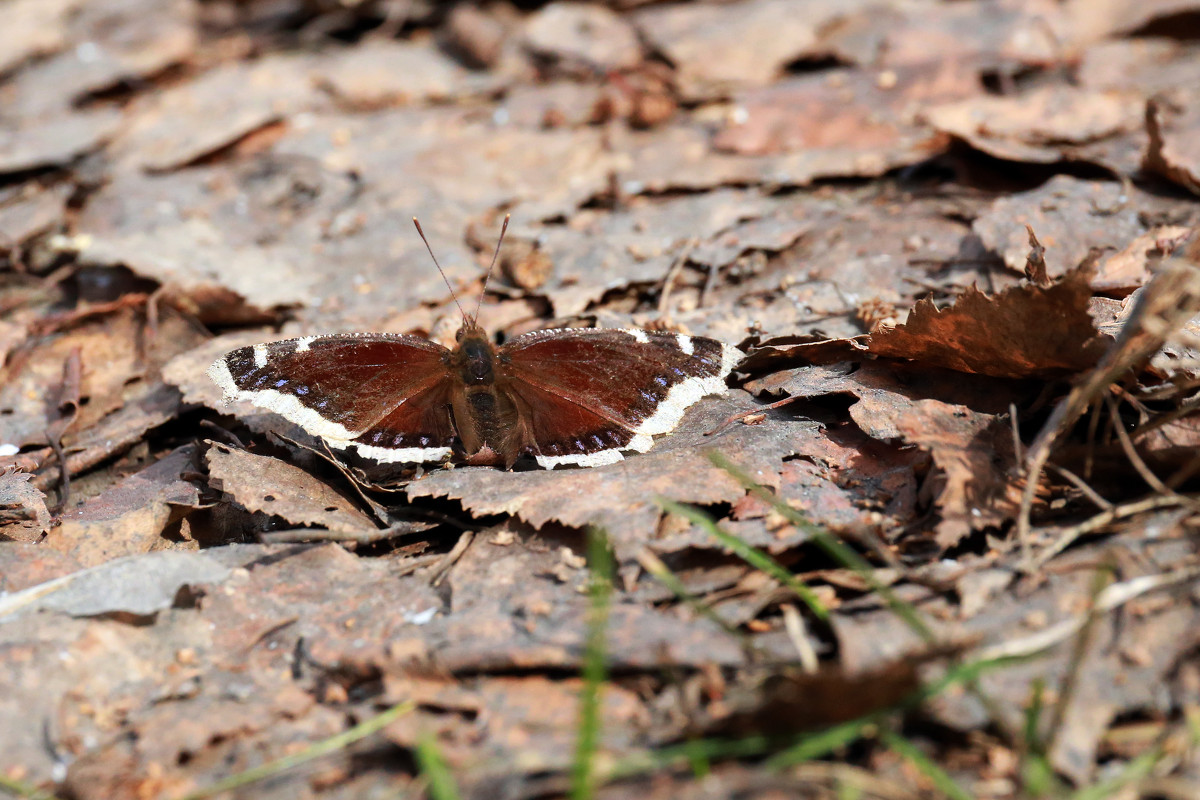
575,396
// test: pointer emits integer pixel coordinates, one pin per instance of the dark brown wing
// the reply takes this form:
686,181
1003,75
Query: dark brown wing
342,388
419,429
635,381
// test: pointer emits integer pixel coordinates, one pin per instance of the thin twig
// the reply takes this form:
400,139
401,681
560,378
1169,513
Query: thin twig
443,567
1102,520
793,623
315,750
1136,460
1114,596
664,297
1081,485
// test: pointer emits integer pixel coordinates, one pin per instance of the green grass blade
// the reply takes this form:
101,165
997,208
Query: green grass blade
751,555
936,775
1137,770
833,547
438,780
595,668
662,573
324,747
23,790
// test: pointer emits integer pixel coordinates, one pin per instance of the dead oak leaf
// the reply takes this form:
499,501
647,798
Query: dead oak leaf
130,517
956,422
622,497
1039,126
1073,219
16,491
1174,151
274,487
1025,331
526,721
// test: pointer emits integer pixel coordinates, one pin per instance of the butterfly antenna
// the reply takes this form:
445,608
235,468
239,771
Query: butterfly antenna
488,277
439,269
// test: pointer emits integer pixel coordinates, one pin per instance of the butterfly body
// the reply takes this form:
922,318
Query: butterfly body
564,397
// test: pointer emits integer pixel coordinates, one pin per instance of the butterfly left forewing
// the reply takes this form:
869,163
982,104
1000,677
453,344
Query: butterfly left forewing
638,382
336,387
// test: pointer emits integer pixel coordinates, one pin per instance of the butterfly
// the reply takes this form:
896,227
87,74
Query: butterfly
567,396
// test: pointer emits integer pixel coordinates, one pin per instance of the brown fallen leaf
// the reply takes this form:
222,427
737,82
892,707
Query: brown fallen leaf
182,124
1040,126
119,363
55,141
228,228
601,252
526,721
17,492
621,497
274,487
716,46
381,73
1071,217
956,422
1173,122
851,110
132,516
1125,271
1022,332
25,564
586,37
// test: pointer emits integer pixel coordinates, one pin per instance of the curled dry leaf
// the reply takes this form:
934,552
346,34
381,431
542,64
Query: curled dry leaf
1041,126
1173,122
957,423
16,492
1026,331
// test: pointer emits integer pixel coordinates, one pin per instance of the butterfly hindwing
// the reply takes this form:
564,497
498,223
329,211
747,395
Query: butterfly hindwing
419,429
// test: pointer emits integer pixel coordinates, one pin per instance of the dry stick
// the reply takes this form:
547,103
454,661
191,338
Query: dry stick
443,567
1167,303
793,623
1081,485
1112,597
664,297
1104,519
1136,460
1070,680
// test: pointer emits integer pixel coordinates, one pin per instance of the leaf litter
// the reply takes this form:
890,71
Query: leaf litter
851,195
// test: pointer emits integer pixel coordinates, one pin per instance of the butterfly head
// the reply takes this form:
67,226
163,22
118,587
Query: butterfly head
470,324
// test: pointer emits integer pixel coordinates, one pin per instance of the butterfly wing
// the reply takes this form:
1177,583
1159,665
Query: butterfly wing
585,394
381,393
